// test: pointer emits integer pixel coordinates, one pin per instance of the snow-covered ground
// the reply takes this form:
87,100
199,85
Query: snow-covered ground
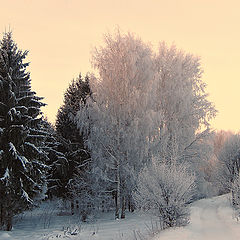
45,223
210,219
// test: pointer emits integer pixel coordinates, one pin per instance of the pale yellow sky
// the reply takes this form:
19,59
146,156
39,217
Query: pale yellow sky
60,35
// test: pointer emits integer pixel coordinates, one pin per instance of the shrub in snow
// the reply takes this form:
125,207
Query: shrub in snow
165,190
81,192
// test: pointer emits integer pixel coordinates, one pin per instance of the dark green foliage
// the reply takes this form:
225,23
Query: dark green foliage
75,96
21,160
72,144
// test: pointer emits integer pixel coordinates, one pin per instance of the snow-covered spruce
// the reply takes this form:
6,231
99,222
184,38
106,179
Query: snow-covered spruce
22,165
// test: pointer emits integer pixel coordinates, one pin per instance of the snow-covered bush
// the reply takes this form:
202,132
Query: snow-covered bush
88,192
165,190
81,193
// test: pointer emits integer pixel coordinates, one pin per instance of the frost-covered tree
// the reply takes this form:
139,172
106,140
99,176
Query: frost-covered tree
165,190
144,106
229,159
180,95
116,117
211,172
22,168
219,139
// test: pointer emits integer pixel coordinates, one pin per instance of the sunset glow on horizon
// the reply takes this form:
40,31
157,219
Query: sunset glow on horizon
60,35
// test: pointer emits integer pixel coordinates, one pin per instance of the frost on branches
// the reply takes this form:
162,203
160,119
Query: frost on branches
179,92
165,190
229,166
143,106
115,117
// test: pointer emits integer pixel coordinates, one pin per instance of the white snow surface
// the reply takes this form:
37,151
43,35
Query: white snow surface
44,223
210,219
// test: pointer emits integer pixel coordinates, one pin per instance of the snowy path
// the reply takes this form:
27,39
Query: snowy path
210,219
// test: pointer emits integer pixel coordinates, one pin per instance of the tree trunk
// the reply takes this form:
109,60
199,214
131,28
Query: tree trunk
233,198
5,219
130,204
9,221
72,207
232,182
123,198
123,207
1,217
117,200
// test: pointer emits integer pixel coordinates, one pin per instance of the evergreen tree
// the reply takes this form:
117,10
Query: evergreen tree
72,144
22,165
57,161
75,96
